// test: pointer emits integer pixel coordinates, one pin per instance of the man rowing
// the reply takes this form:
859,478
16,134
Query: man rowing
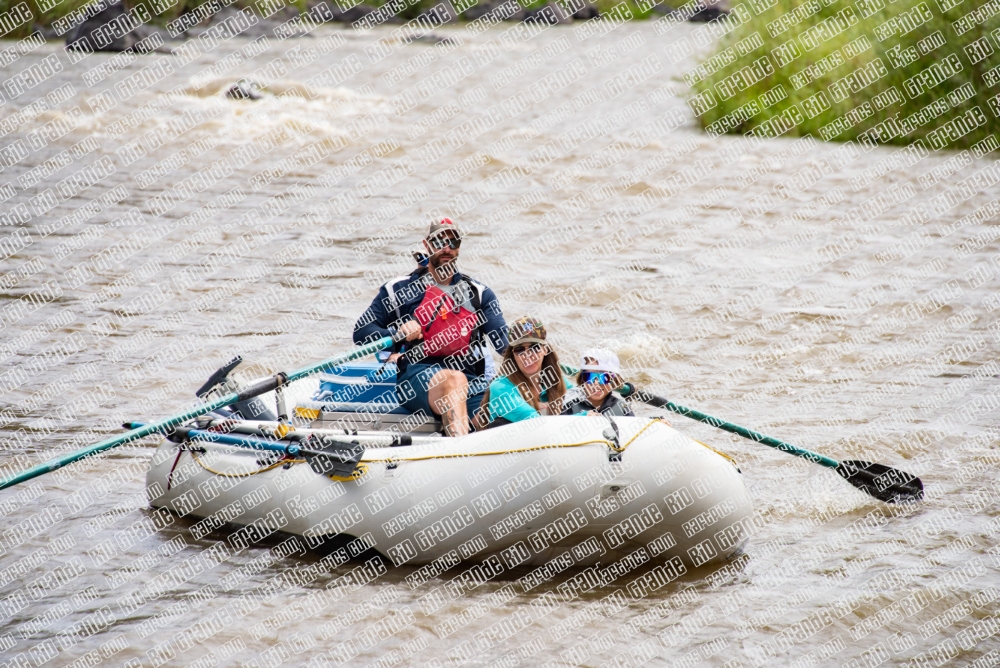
446,318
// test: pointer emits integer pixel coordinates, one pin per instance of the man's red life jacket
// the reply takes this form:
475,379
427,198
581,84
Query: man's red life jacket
447,328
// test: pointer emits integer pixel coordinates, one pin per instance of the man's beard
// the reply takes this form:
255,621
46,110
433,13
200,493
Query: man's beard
436,262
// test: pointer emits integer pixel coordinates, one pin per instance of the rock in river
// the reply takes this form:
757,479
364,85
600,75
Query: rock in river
708,14
244,90
550,14
587,12
114,29
497,8
356,13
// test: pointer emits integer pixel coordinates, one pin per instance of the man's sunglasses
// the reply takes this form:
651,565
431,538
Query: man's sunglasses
534,348
437,243
595,377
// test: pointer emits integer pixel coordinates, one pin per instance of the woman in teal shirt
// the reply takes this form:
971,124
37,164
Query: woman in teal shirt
530,382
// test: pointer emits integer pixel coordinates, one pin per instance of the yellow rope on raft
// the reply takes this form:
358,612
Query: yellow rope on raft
704,445
362,467
638,434
459,455
357,474
721,454
510,451
280,462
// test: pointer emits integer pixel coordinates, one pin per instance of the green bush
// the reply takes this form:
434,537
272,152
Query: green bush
895,73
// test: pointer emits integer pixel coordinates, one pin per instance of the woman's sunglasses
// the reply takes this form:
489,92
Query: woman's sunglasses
595,377
533,348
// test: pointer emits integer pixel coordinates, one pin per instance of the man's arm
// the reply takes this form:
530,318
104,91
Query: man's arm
374,322
496,326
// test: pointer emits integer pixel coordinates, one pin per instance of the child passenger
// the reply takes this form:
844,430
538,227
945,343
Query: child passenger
597,378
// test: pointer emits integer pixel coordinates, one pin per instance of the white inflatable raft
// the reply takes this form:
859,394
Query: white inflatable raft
552,489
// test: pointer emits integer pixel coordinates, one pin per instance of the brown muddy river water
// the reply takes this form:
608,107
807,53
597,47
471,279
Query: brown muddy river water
841,299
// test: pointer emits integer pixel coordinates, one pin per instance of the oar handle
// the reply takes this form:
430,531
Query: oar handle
304,447
219,376
168,424
180,434
631,391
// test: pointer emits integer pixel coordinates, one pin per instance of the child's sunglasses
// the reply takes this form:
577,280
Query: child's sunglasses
592,377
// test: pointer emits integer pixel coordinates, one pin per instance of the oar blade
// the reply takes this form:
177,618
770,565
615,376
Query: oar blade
882,482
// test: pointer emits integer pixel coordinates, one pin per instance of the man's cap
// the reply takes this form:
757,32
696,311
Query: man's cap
444,225
600,359
526,330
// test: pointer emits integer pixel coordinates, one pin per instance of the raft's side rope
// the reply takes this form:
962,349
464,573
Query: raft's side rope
487,453
511,451
637,435
358,472
280,462
704,445
389,460
170,476
718,452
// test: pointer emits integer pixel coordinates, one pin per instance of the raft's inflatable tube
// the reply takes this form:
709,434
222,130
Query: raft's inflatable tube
551,488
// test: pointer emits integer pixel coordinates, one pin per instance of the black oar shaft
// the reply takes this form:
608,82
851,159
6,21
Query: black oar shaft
631,391
882,482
